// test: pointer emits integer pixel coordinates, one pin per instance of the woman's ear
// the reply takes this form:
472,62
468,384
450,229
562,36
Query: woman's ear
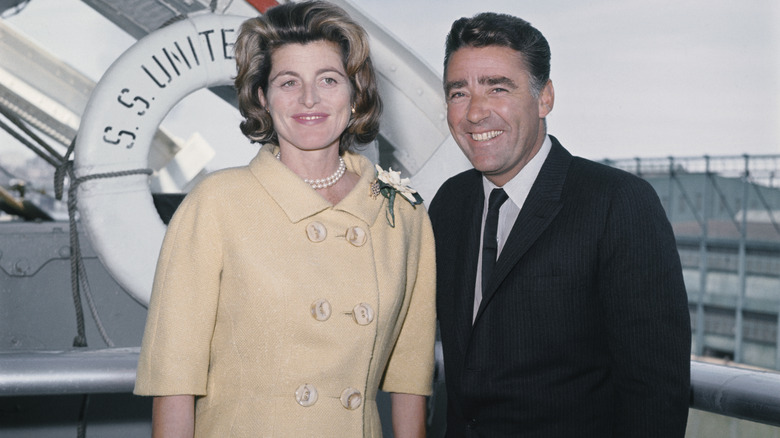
261,98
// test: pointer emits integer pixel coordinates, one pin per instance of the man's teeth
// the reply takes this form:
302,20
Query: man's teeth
484,136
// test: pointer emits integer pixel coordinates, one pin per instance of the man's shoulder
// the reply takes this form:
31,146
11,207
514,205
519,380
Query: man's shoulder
586,178
582,167
452,190
592,183
600,174
467,177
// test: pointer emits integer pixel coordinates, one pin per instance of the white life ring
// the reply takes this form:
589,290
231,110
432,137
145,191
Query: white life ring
151,77
119,122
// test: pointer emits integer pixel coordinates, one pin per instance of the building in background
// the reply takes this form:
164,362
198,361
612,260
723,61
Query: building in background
725,212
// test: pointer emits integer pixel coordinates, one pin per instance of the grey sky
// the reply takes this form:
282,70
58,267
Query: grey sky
632,78
638,78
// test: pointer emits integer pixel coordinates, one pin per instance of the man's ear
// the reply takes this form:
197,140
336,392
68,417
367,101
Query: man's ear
546,99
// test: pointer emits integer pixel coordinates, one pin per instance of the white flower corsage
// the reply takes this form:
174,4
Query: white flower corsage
388,183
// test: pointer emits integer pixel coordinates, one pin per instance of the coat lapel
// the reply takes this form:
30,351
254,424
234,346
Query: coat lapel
540,208
473,201
299,201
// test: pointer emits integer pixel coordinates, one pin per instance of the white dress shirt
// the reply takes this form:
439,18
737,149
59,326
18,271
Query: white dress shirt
517,188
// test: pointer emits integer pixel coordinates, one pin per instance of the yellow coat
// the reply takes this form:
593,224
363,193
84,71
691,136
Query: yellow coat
283,313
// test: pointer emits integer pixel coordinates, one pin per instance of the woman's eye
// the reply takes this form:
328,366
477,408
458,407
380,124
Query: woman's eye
288,84
329,81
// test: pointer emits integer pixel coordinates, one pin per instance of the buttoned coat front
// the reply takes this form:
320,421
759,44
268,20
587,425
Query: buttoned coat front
283,313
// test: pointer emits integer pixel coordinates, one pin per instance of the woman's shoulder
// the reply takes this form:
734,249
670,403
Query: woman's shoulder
224,179
217,187
230,177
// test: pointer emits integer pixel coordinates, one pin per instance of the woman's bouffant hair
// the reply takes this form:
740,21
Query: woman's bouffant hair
302,23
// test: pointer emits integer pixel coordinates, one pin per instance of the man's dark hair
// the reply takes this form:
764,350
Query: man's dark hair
492,29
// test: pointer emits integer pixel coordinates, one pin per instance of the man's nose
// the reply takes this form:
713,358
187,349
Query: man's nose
478,109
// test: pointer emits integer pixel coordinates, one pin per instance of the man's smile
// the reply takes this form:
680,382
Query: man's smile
485,136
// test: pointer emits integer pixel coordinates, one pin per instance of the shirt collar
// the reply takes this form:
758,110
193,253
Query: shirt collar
518,187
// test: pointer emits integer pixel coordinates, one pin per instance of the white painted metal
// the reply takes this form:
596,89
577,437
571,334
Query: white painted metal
415,121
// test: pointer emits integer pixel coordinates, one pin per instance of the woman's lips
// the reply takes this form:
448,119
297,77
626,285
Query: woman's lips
310,118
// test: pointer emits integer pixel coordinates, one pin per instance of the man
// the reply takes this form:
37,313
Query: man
580,328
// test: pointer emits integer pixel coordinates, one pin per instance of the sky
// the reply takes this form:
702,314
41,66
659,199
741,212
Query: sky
638,77
632,78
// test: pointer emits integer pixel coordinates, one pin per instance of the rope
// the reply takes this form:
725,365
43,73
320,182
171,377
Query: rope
78,277
81,425
78,273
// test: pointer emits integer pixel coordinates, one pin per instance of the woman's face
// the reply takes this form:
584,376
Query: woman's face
309,95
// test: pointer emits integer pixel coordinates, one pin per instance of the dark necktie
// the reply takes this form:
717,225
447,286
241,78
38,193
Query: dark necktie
489,241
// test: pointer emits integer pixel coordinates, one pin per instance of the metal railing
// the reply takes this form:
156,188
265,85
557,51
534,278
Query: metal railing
734,392
38,372
732,202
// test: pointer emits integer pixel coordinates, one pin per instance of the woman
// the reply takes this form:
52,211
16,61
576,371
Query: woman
287,292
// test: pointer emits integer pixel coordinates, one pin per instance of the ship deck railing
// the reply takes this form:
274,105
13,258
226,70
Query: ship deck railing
747,394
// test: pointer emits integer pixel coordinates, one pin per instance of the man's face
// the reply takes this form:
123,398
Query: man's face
491,112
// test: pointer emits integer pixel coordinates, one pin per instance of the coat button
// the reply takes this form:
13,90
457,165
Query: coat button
351,399
306,395
316,232
356,236
320,310
363,314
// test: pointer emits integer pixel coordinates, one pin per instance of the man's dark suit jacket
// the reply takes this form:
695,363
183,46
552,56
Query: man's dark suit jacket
583,329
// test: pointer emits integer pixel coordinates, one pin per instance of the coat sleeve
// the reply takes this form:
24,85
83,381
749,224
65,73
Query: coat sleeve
646,308
410,367
182,311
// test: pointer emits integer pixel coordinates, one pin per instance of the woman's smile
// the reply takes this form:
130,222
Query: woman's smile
310,118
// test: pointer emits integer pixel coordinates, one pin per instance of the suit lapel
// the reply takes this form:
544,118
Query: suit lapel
474,199
540,208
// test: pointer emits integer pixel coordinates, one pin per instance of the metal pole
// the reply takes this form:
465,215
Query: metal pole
703,261
777,343
740,393
738,344
670,210
81,371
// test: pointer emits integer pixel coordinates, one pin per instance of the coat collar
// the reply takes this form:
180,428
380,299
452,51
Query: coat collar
473,198
299,201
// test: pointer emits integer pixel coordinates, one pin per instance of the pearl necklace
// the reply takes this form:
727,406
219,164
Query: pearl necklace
323,183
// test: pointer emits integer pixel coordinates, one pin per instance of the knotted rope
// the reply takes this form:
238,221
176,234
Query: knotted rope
78,273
